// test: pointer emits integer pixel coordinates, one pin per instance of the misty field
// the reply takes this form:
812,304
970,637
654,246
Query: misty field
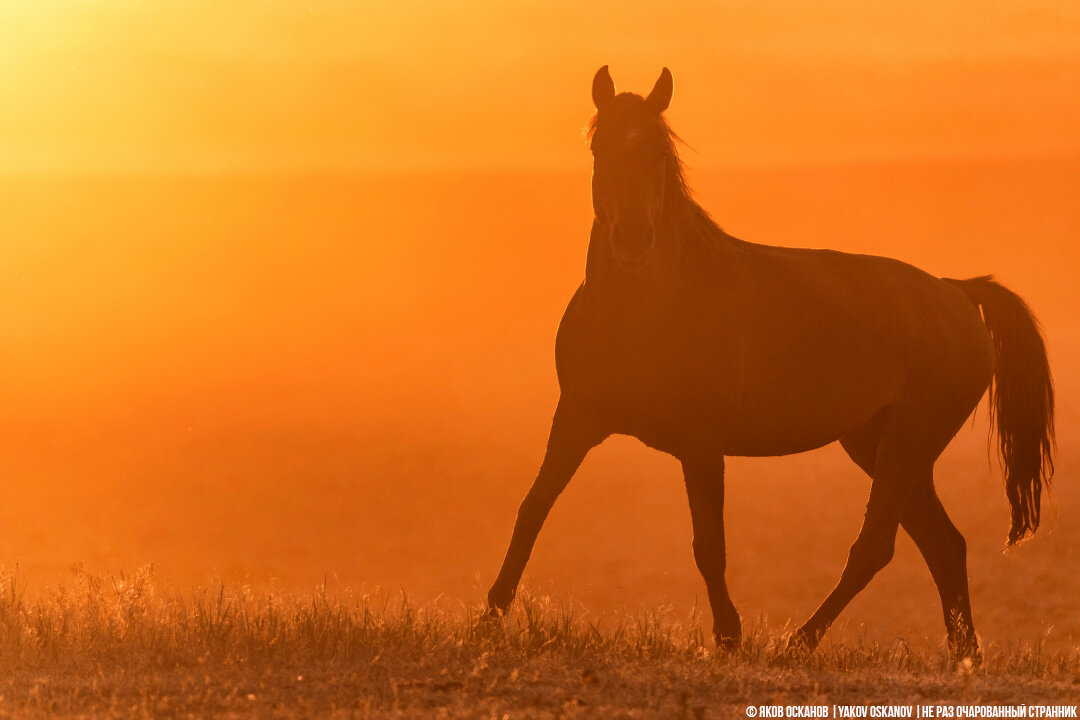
291,382
119,647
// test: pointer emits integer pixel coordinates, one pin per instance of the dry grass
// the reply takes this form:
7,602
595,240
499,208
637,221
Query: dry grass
120,647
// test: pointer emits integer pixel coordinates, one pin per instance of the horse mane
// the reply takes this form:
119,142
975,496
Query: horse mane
693,219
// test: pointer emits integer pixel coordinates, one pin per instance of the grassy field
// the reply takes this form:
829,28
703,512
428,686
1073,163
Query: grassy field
117,647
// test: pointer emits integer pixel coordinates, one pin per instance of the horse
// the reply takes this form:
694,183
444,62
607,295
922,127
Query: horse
702,345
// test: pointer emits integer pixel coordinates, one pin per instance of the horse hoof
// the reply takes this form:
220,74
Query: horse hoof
499,602
727,643
798,645
486,623
967,657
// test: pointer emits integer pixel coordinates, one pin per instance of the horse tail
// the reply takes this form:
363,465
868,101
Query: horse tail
1021,399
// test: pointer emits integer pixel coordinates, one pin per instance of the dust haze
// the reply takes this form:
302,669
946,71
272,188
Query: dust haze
277,379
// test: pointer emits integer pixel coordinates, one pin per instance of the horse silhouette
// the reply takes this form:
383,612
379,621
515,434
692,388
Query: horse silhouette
702,345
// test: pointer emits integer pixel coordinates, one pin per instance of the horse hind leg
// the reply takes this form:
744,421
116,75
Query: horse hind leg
939,541
862,445
945,551
871,551
892,449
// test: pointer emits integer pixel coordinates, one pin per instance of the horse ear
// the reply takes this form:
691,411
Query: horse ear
660,97
603,89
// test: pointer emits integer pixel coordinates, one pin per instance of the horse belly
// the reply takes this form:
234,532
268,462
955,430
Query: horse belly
700,383
800,401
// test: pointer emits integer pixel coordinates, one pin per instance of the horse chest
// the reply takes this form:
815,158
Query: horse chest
647,379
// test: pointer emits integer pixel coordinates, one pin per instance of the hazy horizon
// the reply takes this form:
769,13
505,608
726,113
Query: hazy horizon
270,379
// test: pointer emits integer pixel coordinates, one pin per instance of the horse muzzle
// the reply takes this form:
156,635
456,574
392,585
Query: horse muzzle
631,243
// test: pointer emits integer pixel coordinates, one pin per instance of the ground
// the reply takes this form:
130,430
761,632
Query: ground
115,647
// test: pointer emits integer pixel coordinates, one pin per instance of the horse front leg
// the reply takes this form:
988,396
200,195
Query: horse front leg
571,438
705,490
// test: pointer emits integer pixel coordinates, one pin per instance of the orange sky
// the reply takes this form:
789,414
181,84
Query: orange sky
196,85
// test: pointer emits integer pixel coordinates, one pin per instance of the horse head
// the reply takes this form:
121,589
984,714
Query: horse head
633,160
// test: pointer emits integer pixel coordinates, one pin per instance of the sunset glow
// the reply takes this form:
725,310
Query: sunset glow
281,280
92,86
